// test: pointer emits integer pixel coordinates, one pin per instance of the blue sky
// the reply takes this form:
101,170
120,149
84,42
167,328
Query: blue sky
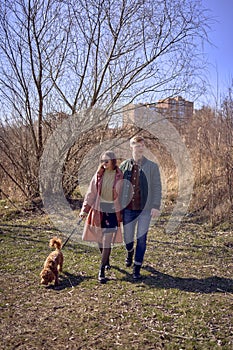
220,55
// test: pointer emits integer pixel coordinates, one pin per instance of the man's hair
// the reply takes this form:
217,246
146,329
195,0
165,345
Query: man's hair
136,139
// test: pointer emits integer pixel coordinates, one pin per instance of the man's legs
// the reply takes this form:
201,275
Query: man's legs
129,222
142,230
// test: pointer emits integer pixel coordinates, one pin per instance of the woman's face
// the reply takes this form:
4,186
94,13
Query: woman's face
106,162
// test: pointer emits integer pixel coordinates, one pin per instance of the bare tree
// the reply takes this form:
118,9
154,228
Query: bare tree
32,33
63,56
130,50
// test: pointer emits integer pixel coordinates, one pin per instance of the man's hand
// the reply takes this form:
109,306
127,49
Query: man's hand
154,213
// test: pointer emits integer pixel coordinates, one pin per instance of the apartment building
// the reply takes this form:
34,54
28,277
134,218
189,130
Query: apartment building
173,108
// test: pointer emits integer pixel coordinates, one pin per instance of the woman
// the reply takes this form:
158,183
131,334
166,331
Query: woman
102,207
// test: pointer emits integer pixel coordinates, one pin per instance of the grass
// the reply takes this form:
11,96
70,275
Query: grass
184,300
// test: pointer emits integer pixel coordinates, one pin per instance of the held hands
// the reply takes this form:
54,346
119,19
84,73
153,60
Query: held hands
154,213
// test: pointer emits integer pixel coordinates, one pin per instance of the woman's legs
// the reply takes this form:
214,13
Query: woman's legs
106,251
107,265
109,226
107,241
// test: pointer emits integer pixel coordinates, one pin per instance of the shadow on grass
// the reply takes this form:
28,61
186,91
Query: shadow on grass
68,280
211,284
128,275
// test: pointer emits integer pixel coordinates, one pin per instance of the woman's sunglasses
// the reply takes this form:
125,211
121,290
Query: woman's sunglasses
105,161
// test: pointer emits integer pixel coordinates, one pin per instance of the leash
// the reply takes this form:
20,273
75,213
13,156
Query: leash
73,231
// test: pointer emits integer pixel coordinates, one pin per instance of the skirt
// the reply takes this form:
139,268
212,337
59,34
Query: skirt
109,220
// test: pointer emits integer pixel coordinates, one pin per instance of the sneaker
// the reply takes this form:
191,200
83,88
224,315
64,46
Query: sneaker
129,259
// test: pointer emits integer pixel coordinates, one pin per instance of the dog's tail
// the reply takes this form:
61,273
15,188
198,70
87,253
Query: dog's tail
55,242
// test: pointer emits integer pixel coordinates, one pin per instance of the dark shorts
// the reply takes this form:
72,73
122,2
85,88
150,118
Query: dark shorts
109,219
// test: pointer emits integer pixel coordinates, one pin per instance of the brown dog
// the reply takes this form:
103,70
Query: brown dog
53,263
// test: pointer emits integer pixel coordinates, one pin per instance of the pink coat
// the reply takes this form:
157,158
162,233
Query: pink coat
91,205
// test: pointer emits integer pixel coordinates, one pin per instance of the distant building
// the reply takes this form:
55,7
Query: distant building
173,108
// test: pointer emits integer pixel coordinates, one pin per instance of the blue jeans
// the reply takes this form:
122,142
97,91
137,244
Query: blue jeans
141,218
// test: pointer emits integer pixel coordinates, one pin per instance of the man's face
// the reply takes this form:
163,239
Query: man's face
138,149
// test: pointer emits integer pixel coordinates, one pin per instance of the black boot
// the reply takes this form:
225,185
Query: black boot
108,266
136,272
101,276
129,259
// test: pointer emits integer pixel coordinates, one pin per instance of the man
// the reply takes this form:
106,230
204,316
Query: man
141,199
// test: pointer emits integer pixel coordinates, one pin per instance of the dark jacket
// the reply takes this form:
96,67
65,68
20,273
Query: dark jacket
150,184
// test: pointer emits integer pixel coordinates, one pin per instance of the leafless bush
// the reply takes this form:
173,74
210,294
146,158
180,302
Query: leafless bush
209,137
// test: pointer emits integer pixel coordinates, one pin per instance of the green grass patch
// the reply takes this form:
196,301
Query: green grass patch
184,300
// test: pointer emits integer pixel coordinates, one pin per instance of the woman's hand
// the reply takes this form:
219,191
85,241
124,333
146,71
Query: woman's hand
83,215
